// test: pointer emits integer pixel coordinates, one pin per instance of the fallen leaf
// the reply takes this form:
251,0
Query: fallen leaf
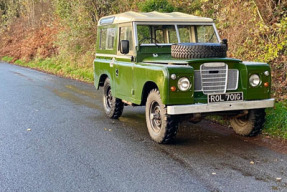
105,129
213,173
252,162
278,179
110,129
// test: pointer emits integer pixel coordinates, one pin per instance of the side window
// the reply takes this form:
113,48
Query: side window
111,38
107,38
126,33
103,38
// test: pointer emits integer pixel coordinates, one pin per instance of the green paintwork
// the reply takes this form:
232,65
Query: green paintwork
132,77
154,64
166,58
147,52
259,92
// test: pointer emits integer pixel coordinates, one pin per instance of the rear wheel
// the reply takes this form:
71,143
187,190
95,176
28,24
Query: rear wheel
161,127
113,106
249,125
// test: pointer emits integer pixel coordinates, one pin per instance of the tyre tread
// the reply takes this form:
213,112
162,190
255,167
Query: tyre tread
198,50
117,107
255,120
259,120
171,123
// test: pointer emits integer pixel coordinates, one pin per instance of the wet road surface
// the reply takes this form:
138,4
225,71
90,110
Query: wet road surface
55,137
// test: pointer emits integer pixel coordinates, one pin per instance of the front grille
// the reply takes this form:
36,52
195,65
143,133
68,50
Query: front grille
232,80
215,78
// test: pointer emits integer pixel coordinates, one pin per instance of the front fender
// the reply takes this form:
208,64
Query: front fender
159,74
260,92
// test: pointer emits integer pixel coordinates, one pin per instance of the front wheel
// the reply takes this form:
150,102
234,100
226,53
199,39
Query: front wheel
113,106
161,127
249,125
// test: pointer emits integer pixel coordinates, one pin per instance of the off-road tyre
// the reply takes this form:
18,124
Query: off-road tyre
250,125
162,128
198,50
113,106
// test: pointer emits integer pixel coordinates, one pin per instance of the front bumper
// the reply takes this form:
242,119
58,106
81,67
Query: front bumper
216,107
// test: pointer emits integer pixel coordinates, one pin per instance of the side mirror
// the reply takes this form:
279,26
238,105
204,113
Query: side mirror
124,47
225,41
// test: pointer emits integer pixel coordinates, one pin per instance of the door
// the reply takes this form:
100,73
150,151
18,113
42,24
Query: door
124,65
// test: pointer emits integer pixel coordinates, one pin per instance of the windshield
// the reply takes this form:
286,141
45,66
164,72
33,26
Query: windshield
159,34
166,34
197,34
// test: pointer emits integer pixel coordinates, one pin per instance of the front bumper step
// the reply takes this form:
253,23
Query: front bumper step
216,107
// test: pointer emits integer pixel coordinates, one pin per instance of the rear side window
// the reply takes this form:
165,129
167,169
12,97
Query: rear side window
107,38
103,38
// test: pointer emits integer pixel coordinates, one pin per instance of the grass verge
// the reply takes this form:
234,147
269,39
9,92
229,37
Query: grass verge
276,120
7,59
56,67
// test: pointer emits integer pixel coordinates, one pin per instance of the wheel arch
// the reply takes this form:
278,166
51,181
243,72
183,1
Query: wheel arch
148,86
101,81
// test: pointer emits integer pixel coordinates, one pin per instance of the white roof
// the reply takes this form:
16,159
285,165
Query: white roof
154,16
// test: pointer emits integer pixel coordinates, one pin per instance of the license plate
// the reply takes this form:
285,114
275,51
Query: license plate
216,98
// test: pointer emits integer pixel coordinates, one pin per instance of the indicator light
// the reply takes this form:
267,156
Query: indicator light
173,88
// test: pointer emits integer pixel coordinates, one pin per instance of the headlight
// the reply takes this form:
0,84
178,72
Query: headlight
254,80
183,84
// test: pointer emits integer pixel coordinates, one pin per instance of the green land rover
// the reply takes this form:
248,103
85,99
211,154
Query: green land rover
175,64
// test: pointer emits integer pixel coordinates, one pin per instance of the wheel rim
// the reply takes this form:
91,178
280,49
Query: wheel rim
241,121
155,119
108,99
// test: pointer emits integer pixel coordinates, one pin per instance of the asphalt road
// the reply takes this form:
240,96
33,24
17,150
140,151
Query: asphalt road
55,137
